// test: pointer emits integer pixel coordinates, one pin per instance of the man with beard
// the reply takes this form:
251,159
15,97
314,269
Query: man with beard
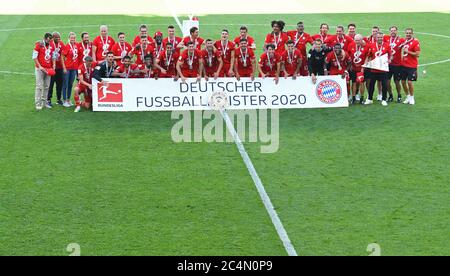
301,39
213,61
166,62
58,78
44,61
410,60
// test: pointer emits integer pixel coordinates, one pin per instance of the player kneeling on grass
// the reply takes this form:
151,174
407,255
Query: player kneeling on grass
85,75
245,61
270,63
291,61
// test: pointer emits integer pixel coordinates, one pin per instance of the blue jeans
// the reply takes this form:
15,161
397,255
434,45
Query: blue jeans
69,78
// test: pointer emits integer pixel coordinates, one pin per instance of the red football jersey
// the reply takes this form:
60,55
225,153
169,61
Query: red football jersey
191,65
175,41
396,52
169,63
225,50
358,56
125,72
121,50
411,61
71,56
376,50
198,42
345,41
211,61
86,72
278,40
44,54
104,45
291,61
158,49
338,65
244,60
250,41
84,50
300,40
137,40
141,53
58,53
147,75
269,65
322,37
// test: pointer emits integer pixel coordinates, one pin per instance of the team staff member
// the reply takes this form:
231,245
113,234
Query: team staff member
102,44
358,53
410,61
70,68
316,60
44,61
58,78
105,69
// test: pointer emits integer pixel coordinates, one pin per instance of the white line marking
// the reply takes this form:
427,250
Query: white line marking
432,63
259,186
16,73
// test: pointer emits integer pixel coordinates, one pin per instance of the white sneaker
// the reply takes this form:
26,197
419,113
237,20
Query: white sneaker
384,103
77,109
39,107
412,101
48,106
380,98
408,98
70,103
358,97
66,104
367,102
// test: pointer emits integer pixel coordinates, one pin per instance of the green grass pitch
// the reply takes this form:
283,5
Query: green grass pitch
117,185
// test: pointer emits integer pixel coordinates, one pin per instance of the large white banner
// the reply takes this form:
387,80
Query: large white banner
227,93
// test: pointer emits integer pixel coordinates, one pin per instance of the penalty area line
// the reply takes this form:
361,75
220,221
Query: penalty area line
281,231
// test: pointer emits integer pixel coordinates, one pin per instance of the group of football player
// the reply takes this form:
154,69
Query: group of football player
284,55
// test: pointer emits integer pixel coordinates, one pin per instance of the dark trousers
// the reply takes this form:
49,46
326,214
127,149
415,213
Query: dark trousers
383,78
57,79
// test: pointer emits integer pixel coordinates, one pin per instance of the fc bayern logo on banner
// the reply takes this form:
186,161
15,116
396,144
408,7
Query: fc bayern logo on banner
329,91
110,93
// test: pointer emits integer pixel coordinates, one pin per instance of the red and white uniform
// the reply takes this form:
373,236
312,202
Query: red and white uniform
104,45
411,61
191,64
137,40
44,54
225,51
358,55
322,37
71,53
198,42
126,73
269,65
211,62
84,50
291,61
338,65
121,50
244,62
301,40
58,53
148,75
396,51
175,41
278,40
376,50
141,53
250,41
169,63
345,41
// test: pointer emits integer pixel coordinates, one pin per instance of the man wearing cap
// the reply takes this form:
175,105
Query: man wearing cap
45,64
159,48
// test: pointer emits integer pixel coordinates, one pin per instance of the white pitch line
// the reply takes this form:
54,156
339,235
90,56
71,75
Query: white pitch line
260,187
16,73
432,63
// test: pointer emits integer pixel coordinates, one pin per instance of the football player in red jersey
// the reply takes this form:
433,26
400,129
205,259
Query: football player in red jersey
145,70
143,31
226,49
410,61
70,68
378,49
125,70
341,38
58,78
291,61
373,37
277,37
213,61
351,30
244,35
339,63
190,63
84,48
85,75
141,50
323,35
102,45
194,38
396,64
44,59
269,64
300,39
166,62
245,61
159,47
358,53
121,49
172,39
